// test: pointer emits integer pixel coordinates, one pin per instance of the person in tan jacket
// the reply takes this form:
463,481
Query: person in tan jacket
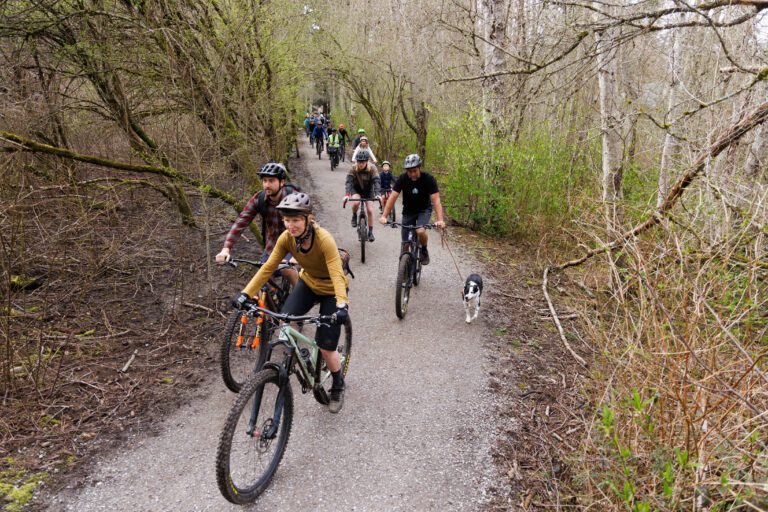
321,280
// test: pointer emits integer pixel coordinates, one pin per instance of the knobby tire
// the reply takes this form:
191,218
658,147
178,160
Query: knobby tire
244,464
362,232
402,290
238,363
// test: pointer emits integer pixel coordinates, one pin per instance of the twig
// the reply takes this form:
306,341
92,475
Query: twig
130,360
198,306
557,320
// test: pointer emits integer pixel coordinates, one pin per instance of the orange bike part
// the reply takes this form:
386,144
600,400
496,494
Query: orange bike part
259,321
241,336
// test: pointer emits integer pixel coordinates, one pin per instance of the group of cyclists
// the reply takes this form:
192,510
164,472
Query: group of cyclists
291,233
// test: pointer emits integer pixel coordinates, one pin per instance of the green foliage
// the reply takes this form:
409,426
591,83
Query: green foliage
18,488
515,187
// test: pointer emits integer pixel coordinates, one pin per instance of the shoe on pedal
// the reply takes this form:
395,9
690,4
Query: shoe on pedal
424,259
371,238
354,221
337,400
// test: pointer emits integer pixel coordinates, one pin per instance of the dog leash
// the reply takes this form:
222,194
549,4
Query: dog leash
444,243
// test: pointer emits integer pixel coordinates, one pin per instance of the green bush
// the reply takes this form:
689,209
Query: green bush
517,187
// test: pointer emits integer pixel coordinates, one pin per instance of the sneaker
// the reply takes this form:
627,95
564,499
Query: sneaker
337,400
354,221
371,238
424,256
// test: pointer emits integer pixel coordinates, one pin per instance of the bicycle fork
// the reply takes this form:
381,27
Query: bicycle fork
282,384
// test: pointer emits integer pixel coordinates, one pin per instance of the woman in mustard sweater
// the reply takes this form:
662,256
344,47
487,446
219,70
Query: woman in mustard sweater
321,280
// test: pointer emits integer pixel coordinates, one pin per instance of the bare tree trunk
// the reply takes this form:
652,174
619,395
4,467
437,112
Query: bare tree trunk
610,122
670,143
492,17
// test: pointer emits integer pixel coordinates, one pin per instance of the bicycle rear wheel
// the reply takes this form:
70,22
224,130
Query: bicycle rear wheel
362,232
322,391
239,357
246,460
402,286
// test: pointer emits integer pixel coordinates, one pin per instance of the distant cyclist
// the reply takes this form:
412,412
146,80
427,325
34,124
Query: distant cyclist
420,196
322,280
360,133
334,142
386,178
319,133
306,123
363,182
263,203
343,133
364,145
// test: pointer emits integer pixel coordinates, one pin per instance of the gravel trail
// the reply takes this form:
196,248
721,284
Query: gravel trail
417,426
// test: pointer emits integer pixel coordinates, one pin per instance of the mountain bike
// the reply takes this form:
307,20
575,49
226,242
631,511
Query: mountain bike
242,349
392,216
409,267
257,427
333,156
362,224
319,147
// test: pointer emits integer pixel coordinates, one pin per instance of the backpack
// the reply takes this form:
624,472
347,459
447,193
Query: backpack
345,257
261,207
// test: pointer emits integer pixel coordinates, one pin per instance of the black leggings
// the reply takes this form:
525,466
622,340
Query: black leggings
301,300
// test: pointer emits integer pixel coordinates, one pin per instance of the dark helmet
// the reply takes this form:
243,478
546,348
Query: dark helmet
274,169
297,203
333,130
412,161
363,155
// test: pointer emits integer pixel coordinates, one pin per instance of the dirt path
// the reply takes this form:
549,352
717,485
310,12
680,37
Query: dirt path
416,430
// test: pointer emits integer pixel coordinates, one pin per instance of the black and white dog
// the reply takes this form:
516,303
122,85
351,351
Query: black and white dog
473,290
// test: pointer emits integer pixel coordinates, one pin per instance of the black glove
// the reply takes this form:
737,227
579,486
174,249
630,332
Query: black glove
341,314
241,301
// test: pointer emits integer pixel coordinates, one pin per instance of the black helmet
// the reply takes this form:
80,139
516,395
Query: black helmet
332,130
363,155
297,203
412,161
272,169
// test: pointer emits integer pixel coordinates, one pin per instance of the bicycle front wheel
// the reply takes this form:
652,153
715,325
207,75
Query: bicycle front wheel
362,228
248,456
322,390
240,352
402,286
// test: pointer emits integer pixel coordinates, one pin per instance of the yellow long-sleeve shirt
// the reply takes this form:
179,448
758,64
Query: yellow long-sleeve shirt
321,265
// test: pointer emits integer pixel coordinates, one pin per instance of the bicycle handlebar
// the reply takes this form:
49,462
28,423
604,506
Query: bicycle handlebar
426,226
234,261
315,319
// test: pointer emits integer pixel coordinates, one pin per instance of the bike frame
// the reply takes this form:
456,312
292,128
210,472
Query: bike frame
291,339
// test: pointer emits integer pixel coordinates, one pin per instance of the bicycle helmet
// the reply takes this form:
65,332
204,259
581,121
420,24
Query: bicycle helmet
332,129
297,203
363,155
341,126
360,131
412,161
273,169
386,162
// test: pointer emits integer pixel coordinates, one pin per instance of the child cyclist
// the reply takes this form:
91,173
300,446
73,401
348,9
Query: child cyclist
321,280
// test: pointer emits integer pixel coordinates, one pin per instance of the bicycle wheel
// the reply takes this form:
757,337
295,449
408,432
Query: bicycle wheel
322,390
402,286
417,269
246,460
362,232
239,357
